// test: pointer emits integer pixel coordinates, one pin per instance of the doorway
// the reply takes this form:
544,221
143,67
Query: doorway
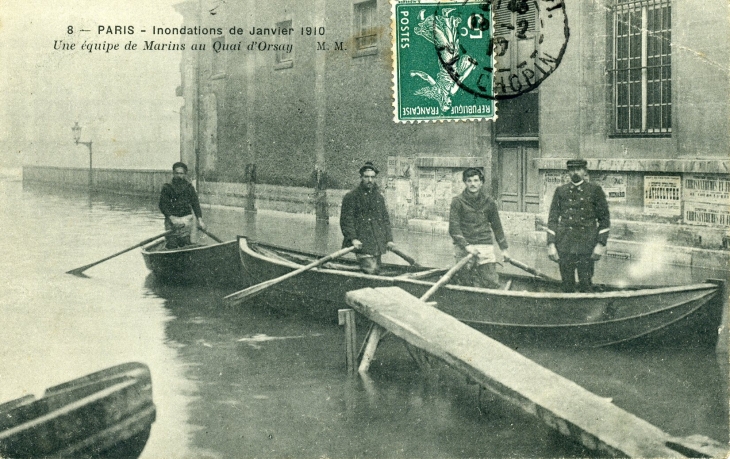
518,176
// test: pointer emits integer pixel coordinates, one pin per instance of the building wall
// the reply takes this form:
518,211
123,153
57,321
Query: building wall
575,115
330,110
575,100
700,45
327,111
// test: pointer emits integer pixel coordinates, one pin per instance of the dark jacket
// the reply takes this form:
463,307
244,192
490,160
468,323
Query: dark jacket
578,218
473,219
363,216
177,199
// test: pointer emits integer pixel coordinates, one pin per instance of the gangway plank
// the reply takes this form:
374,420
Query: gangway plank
562,404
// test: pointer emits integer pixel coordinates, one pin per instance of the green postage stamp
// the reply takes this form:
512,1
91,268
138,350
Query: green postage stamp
442,60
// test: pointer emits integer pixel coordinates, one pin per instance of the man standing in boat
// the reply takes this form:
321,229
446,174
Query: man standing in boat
178,202
475,226
578,226
364,221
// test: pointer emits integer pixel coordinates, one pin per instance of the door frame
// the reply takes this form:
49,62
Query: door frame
525,200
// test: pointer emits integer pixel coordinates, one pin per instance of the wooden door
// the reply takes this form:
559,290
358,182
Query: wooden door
518,177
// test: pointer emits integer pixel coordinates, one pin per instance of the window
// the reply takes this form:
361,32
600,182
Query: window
516,42
514,24
365,27
218,63
284,57
642,78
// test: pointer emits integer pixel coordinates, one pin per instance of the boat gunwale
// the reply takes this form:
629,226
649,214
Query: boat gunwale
146,249
135,370
703,301
613,294
73,406
129,425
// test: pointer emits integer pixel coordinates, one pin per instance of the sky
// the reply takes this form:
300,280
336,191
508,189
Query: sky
124,101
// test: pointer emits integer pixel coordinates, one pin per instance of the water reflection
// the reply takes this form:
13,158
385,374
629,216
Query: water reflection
289,396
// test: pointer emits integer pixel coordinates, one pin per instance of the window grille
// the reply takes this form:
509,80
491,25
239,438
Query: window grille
641,73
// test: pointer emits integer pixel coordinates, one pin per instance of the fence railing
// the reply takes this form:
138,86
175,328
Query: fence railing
128,181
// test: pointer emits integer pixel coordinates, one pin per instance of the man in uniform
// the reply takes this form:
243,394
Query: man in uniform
178,202
474,225
364,221
578,226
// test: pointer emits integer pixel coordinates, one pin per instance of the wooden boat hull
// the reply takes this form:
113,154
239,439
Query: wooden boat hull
687,315
533,311
215,264
105,414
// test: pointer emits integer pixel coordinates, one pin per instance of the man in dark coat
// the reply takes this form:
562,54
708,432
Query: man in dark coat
475,226
364,221
178,202
578,226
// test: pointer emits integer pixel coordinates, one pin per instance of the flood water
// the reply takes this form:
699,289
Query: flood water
246,382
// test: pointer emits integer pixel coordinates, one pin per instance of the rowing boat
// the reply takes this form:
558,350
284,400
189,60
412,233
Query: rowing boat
527,310
213,264
105,414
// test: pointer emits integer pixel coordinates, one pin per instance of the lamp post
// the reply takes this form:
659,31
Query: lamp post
77,135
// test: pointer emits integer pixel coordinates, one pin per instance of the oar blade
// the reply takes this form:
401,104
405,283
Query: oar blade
242,295
239,297
79,272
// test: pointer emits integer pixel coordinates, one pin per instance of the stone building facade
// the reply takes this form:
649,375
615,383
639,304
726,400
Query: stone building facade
641,93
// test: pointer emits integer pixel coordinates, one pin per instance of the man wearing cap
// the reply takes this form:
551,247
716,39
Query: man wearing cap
364,221
475,226
578,226
178,202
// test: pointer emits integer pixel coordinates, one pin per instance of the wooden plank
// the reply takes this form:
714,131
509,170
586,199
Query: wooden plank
346,317
562,404
368,355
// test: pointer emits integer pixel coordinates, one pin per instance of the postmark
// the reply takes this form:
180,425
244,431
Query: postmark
454,59
431,69
530,39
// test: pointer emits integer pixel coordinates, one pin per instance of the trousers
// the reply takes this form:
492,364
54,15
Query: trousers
572,263
182,228
481,272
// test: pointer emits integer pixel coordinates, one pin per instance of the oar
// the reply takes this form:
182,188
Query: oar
405,256
80,271
212,236
446,277
420,274
530,270
240,296
418,355
443,280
